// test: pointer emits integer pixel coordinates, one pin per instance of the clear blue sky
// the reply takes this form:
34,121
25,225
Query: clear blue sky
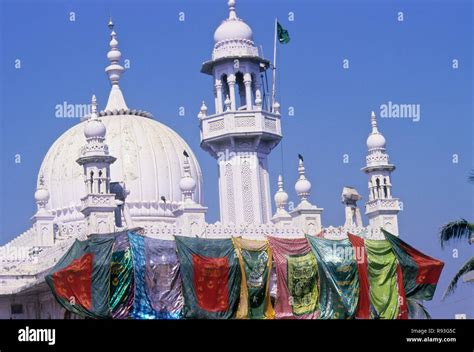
403,62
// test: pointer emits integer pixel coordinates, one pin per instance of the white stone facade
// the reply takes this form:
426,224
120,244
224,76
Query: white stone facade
145,175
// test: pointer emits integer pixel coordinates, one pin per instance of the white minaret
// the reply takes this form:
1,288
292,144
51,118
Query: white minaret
99,204
381,208
242,131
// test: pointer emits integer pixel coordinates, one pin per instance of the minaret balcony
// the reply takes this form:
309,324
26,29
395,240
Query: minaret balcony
239,123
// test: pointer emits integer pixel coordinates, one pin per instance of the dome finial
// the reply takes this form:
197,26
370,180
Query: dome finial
281,197
375,140
114,71
232,13
94,107
302,185
111,23
373,121
187,184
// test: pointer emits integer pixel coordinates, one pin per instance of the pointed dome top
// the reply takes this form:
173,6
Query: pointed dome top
375,140
114,71
233,38
233,28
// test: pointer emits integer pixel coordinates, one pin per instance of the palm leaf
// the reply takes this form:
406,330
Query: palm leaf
467,267
471,176
456,230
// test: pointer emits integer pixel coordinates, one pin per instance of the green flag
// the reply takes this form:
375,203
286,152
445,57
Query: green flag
283,35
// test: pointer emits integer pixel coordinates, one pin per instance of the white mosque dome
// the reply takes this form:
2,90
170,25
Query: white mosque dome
376,141
233,29
149,161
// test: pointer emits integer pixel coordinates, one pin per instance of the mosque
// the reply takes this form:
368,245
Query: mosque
119,168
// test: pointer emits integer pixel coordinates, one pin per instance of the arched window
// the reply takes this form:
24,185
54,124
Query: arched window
225,88
92,181
240,97
99,181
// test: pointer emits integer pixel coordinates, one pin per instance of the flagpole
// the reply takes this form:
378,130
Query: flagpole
274,65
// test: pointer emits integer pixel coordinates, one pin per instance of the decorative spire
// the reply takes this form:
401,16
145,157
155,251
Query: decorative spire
41,194
281,197
114,71
375,141
227,103
232,13
302,185
203,110
94,107
187,184
373,121
94,131
258,98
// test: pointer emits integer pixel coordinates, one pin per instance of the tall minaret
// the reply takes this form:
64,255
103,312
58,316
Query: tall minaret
98,206
381,208
243,129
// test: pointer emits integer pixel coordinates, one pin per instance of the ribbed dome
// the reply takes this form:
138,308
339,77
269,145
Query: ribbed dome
149,161
232,29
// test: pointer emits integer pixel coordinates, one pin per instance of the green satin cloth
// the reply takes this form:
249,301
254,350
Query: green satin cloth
121,278
382,278
338,278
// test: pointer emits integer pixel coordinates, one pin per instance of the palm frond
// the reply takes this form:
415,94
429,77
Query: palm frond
471,177
455,230
467,267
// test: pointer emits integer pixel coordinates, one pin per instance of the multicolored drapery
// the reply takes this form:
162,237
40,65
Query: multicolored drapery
420,272
80,280
121,278
360,255
157,284
338,278
297,279
255,258
385,294
211,277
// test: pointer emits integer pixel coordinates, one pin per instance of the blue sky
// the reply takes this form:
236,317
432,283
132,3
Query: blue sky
408,62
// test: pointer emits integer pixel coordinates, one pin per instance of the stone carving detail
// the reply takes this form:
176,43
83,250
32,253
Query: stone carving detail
234,47
245,121
247,193
216,125
229,179
270,124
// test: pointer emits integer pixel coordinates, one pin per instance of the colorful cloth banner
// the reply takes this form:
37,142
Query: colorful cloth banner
363,306
255,258
121,278
211,277
420,272
80,280
157,285
383,266
338,277
297,279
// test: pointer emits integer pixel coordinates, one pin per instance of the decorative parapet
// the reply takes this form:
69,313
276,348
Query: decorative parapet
152,208
234,47
245,121
382,204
